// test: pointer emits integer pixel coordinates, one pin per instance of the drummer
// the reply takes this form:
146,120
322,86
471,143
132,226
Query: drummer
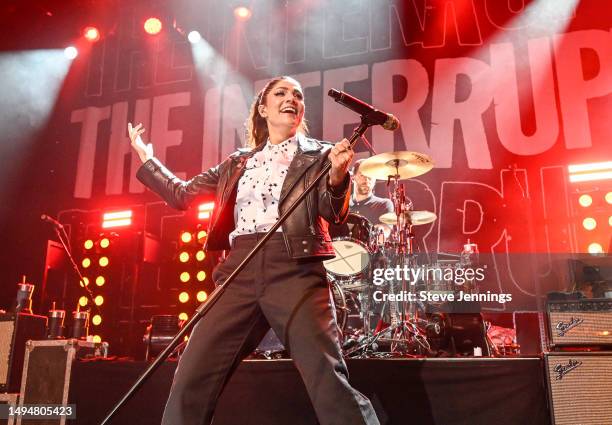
363,200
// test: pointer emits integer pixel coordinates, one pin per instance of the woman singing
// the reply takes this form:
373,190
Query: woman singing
284,286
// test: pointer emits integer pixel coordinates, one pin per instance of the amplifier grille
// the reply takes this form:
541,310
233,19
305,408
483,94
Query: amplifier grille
580,328
580,388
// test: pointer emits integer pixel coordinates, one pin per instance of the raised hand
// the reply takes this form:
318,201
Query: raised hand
144,150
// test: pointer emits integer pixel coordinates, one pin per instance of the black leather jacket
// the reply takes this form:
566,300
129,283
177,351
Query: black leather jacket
305,231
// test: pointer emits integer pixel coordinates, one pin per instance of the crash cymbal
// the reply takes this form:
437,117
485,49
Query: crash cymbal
415,218
403,163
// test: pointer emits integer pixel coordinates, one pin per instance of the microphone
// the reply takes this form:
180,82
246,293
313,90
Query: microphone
388,121
51,220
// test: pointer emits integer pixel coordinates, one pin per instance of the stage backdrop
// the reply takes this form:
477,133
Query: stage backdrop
503,95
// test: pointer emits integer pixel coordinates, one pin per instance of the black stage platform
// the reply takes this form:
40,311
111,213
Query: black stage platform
463,391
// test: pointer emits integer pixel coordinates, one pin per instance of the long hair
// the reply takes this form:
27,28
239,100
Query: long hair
256,125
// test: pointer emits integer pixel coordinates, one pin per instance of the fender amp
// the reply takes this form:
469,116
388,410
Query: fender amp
584,322
579,387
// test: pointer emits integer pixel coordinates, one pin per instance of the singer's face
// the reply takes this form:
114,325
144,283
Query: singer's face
284,106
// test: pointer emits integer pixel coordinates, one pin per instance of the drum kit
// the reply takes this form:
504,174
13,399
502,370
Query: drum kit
396,326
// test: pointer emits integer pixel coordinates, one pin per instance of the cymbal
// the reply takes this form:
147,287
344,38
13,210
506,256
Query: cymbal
406,164
415,218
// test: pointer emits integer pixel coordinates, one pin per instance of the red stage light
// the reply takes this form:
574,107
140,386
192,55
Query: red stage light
205,210
152,26
91,34
242,13
117,219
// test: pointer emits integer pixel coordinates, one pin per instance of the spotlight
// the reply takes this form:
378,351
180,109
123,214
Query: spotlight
96,320
71,52
201,276
100,281
183,297
183,316
585,200
103,261
97,339
595,248
589,223
186,237
91,34
609,197
83,301
242,13
88,244
84,282
205,210
104,243
185,277
200,255
152,26
201,296
86,263
99,300
184,257
194,37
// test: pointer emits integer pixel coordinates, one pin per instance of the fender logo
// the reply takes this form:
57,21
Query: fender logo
562,370
564,328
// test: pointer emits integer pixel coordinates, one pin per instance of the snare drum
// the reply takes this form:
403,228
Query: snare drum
351,243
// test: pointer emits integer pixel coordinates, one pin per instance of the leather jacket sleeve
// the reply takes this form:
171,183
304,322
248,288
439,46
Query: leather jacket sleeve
334,201
177,193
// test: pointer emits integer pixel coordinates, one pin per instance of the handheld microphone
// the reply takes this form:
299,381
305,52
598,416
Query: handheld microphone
51,220
387,121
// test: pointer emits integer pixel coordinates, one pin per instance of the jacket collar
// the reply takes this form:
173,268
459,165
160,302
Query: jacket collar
306,145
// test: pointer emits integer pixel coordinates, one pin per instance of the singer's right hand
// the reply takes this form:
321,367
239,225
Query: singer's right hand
144,150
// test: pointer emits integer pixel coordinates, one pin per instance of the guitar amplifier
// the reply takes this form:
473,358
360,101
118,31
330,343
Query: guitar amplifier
584,322
579,387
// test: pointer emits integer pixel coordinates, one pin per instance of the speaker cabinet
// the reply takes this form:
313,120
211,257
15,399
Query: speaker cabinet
580,388
586,322
15,330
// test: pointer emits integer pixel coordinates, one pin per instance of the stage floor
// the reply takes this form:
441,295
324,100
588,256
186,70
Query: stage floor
466,391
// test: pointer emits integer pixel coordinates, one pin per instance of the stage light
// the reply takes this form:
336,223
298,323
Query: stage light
84,282
97,339
609,197
185,277
201,296
183,297
99,300
83,301
103,261
595,248
71,52
610,220
201,236
589,223
205,210
117,219
242,13
104,243
201,276
194,37
200,255
590,172
86,263
184,257
96,320
91,34
88,244
183,316
100,281
585,200
152,26
186,237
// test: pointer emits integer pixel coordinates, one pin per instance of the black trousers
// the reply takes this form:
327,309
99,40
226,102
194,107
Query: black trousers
275,291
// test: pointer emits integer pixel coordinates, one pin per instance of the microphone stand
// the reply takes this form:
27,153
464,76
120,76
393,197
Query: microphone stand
75,267
201,311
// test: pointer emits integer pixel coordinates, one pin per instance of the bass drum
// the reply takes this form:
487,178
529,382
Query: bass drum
351,242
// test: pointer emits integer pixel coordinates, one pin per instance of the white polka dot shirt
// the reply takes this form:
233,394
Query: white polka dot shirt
259,188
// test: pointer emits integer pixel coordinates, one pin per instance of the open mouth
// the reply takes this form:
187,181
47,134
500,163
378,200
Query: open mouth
289,110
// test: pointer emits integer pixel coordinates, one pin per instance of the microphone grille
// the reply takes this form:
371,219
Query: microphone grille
391,123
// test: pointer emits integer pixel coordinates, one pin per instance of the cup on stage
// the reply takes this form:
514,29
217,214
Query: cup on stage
55,323
80,324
